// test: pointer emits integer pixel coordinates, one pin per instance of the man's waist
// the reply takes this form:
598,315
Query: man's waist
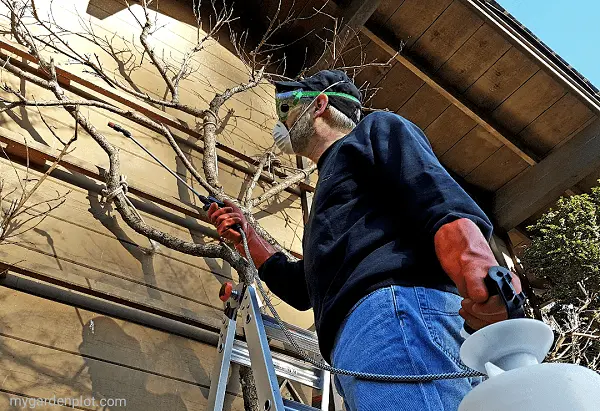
335,306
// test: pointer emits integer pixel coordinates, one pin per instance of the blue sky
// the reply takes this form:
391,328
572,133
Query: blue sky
569,27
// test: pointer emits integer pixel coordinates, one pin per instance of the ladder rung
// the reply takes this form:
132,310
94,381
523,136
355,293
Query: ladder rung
285,366
307,340
296,406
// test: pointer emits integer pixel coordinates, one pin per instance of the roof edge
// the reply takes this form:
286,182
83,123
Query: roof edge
522,37
543,46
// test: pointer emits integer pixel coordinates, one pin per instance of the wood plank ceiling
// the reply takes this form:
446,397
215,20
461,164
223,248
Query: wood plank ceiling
452,42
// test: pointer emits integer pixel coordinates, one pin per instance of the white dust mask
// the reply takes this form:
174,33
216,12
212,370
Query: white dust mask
281,135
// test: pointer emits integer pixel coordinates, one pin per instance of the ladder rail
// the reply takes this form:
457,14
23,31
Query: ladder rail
326,391
220,375
263,370
256,353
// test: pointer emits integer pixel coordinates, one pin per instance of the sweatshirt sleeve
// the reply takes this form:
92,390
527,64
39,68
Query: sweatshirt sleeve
429,195
286,279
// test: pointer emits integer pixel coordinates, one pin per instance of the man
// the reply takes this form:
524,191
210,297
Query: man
394,249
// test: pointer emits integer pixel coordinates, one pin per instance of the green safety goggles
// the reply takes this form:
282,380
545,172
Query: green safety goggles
289,99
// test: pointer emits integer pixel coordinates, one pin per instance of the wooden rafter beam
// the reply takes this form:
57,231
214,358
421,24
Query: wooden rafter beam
536,187
351,18
459,101
356,14
559,72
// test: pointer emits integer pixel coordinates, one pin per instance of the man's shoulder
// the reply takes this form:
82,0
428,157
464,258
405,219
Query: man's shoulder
382,120
380,124
379,127
384,116
375,129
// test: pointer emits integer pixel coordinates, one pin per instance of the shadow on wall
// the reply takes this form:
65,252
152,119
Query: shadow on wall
112,381
13,360
143,255
22,119
219,268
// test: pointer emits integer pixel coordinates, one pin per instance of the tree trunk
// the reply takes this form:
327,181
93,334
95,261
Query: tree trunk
249,390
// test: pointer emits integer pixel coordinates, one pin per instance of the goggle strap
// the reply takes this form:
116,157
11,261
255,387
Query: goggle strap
308,94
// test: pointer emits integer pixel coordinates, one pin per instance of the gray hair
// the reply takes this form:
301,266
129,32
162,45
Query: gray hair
339,120
336,119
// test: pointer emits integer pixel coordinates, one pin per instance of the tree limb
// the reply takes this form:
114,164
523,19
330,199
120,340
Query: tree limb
221,98
288,182
160,128
211,120
223,17
209,161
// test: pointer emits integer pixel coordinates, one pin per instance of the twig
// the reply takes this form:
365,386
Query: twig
47,173
9,226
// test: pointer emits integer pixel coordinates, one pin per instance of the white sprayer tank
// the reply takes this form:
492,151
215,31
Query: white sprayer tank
510,353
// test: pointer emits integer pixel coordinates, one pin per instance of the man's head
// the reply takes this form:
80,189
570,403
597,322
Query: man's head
315,110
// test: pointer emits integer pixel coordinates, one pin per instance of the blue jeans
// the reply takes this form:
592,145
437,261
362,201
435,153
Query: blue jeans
402,330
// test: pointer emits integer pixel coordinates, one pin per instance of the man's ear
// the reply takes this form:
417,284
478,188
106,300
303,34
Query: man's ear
320,104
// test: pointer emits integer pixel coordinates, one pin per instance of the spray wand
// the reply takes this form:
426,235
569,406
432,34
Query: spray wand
206,200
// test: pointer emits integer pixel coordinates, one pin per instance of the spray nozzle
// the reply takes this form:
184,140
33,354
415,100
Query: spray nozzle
499,282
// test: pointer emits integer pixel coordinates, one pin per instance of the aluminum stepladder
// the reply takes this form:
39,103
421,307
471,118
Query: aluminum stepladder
255,352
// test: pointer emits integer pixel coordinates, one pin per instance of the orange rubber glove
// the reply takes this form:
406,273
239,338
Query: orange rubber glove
466,257
224,218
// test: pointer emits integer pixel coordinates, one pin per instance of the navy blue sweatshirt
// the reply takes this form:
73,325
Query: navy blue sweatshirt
381,196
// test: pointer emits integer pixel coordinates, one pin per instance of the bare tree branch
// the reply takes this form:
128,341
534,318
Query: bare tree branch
221,98
259,169
186,162
160,65
288,182
224,17
55,30
71,104
113,180
9,224
209,161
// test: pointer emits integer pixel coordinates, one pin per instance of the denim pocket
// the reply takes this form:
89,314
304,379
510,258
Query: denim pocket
439,310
